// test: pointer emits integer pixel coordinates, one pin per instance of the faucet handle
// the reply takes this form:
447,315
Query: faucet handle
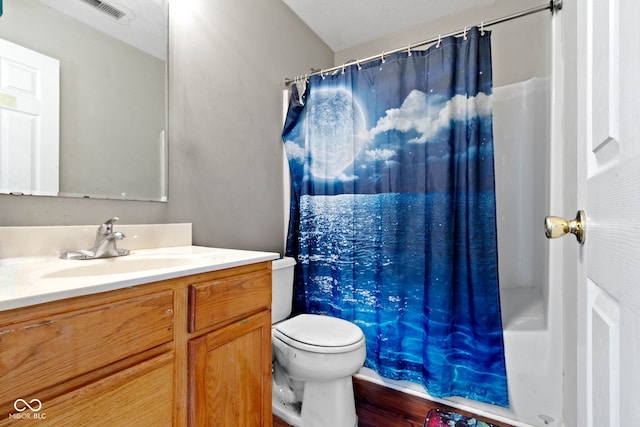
107,226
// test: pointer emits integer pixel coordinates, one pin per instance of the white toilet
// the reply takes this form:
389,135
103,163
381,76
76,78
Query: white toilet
313,359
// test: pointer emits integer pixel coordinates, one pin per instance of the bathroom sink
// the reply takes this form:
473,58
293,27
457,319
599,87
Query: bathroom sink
109,266
32,271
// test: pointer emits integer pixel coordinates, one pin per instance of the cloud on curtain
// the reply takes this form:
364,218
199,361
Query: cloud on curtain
393,214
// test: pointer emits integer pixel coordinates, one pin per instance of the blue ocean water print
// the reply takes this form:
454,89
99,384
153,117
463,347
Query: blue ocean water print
393,213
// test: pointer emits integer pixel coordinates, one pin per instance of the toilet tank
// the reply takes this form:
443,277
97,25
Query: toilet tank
282,288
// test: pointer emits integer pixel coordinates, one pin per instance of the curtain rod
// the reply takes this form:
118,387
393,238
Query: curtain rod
553,5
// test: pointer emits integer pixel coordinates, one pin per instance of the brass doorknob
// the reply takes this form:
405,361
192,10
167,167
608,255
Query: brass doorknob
557,227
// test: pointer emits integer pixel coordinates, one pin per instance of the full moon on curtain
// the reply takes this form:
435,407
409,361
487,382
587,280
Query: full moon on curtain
393,219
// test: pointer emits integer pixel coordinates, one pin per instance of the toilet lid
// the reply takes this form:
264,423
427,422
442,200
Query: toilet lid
319,331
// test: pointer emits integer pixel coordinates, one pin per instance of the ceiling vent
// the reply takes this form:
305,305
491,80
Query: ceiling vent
105,7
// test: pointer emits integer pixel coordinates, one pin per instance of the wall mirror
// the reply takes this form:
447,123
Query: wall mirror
112,121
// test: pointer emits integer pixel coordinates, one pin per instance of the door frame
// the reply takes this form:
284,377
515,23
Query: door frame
565,255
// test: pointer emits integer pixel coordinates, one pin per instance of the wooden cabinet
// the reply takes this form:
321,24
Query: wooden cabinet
140,395
189,351
53,355
216,302
230,361
229,378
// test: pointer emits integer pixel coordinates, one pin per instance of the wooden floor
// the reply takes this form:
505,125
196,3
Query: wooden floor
379,406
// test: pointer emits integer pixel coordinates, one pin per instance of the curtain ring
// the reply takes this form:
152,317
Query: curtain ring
439,40
409,50
322,74
382,57
482,28
343,65
465,33
358,64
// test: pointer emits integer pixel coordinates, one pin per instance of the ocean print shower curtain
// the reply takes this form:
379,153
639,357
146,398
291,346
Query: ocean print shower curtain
393,219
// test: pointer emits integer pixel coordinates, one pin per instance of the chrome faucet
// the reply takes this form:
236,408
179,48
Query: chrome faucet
105,245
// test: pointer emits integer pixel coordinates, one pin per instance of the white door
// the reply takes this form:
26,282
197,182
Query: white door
29,121
608,303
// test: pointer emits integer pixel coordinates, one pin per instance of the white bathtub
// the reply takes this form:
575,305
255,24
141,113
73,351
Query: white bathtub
533,367
530,293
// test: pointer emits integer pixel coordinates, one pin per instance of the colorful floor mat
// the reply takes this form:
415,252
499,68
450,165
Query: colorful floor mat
441,418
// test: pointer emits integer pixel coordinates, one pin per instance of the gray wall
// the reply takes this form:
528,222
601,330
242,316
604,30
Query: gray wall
227,63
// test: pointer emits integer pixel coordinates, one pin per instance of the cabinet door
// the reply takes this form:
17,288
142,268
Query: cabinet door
141,395
216,302
51,350
230,375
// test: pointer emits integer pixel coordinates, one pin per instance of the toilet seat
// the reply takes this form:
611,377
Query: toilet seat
319,334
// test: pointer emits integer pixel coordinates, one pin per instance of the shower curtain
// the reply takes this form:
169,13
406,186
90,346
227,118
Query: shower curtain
393,218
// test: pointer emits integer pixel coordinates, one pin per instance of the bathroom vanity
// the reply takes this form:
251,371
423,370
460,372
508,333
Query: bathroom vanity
184,344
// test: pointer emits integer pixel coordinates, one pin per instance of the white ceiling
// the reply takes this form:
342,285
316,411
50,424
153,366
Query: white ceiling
344,24
340,24
143,26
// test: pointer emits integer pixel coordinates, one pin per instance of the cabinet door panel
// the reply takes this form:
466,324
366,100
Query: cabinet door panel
220,301
230,375
47,351
141,395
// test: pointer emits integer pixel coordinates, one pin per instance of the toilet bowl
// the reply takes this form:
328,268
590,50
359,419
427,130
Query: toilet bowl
314,357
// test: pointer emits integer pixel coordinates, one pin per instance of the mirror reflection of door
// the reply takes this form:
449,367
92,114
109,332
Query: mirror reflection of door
29,121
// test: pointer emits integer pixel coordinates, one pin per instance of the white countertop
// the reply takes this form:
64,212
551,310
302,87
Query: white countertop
26,281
